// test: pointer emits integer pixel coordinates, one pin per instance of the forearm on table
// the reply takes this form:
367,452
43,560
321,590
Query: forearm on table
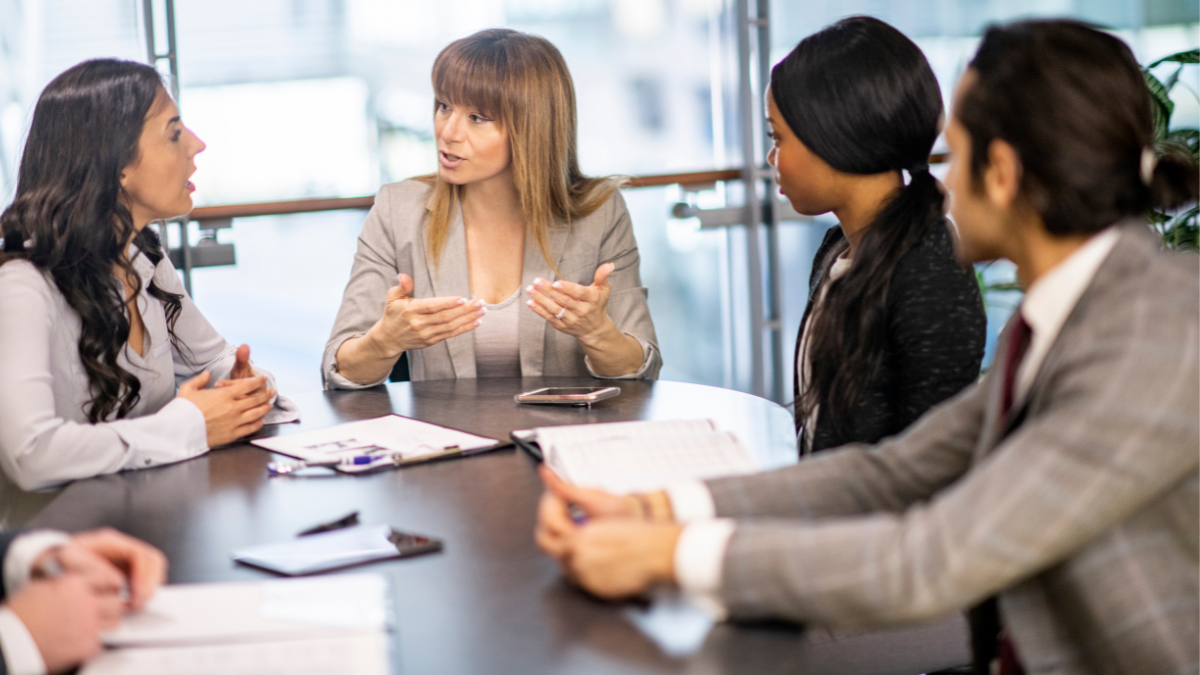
365,359
612,353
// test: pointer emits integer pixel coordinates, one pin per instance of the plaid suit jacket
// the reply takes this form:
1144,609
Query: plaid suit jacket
1081,510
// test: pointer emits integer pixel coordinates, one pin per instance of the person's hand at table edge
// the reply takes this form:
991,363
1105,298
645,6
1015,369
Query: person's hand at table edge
612,546
591,503
109,560
615,559
65,616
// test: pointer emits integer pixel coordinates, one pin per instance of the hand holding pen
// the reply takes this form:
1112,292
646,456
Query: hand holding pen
111,562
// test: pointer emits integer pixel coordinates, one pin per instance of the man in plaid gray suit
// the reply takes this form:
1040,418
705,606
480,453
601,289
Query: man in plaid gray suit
1058,499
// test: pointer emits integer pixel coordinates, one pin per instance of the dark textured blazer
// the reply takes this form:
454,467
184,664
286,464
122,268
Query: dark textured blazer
6,538
936,335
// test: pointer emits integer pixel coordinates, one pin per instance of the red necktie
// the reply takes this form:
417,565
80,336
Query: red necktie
1018,343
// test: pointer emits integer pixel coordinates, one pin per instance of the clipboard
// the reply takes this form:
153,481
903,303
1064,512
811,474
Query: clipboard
389,441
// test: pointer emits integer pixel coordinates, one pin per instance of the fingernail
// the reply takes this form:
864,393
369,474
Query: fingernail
529,289
538,281
478,324
482,311
462,301
530,303
479,303
557,284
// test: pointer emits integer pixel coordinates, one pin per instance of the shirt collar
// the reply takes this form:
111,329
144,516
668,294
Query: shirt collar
1050,299
141,264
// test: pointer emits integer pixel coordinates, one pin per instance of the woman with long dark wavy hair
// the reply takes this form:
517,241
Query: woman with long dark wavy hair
106,363
894,324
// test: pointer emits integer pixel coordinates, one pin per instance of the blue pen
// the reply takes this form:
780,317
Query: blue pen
285,468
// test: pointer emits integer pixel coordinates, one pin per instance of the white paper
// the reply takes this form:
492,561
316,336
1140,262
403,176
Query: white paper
324,551
190,614
642,456
385,436
365,654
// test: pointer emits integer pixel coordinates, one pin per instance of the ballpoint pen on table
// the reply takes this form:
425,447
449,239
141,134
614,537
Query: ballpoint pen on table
285,468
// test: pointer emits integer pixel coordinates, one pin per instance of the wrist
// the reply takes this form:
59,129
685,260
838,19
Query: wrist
602,337
378,347
664,553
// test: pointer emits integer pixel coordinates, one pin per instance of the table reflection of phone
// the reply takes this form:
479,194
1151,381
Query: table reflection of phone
568,395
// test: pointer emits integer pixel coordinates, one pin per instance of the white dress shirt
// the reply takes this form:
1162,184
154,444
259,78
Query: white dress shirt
20,652
700,551
45,436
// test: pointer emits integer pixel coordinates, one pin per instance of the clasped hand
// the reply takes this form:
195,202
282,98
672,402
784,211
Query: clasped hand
232,408
617,551
415,323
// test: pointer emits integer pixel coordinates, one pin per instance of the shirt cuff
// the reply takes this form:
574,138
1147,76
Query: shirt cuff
23,551
699,559
647,359
20,652
691,501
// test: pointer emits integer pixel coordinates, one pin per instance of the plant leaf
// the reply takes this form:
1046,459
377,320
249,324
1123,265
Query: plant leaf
1188,137
1190,56
1161,104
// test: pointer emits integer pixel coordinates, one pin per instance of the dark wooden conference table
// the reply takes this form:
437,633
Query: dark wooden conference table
491,602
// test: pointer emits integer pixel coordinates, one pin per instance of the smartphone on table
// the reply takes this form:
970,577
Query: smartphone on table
568,395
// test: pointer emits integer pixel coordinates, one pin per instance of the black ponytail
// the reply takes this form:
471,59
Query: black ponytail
862,97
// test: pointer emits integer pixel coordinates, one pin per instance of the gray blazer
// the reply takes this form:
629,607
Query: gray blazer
1081,509
393,241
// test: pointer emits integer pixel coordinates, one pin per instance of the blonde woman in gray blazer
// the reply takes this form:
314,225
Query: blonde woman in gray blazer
508,262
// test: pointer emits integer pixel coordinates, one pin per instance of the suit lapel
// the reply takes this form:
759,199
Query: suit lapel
449,278
531,327
1135,244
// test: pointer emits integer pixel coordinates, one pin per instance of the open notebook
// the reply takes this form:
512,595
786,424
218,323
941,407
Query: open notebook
624,457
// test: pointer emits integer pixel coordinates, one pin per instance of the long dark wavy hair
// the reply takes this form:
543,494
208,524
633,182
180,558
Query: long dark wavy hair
68,218
862,97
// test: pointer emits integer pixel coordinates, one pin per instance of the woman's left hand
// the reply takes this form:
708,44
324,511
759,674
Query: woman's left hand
579,311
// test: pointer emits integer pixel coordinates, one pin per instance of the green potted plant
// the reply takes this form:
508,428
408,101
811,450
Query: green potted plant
1178,229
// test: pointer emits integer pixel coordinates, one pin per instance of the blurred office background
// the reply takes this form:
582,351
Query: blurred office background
330,98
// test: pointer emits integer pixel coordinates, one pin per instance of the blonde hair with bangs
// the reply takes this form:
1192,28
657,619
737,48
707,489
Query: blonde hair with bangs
522,82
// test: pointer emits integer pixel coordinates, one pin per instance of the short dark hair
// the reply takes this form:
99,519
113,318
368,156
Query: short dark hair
1072,102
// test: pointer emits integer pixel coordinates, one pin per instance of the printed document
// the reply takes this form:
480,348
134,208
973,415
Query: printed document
384,437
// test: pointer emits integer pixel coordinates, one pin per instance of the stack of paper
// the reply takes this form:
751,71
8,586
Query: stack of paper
319,625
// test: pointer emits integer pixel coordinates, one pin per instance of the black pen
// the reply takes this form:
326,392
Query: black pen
341,523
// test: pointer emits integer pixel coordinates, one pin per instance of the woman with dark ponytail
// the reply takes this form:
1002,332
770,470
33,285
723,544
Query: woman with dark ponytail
105,361
894,324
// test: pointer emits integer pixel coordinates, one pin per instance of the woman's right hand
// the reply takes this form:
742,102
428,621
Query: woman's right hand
415,323
232,411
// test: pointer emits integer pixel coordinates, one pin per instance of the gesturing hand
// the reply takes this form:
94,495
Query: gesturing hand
416,323
232,410
579,311
65,617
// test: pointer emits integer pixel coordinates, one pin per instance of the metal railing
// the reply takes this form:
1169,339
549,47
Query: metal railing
208,252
